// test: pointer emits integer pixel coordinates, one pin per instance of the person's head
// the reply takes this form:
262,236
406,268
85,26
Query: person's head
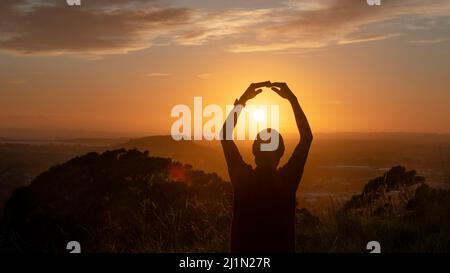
268,148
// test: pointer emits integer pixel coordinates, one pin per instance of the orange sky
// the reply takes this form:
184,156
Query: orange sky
352,67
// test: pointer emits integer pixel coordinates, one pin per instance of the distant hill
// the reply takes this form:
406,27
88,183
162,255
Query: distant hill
425,153
41,134
399,136
201,155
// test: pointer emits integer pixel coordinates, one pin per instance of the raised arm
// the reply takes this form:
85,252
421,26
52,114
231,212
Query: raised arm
232,155
293,169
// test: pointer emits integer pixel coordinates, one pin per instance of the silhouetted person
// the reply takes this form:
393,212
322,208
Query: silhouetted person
264,197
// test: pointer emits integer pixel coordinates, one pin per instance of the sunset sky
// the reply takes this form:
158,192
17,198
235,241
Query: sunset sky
120,66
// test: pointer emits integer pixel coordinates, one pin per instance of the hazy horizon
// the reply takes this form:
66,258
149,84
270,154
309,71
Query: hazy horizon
44,134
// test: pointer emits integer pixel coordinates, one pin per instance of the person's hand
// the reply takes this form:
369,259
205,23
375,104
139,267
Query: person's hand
253,90
282,89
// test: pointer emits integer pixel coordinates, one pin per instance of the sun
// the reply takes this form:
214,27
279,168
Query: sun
258,115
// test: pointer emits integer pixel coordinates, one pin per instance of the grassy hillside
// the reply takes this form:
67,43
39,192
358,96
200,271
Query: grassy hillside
128,201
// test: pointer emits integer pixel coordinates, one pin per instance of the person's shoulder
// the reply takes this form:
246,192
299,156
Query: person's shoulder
281,170
284,173
248,167
243,169
241,177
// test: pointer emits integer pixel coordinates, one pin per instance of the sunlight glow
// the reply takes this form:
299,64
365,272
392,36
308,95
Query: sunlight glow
258,115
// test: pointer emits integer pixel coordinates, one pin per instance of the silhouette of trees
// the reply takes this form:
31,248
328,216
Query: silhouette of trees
388,194
119,201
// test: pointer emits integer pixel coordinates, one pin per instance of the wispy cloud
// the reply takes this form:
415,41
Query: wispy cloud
210,25
29,117
204,76
334,102
157,74
366,38
430,41
265,47
17,82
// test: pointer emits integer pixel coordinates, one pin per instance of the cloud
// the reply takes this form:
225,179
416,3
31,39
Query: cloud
334,102
430,41
29,117
265,47
204,76
366,38
212,25
17,82
96,27
157,74
332,21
